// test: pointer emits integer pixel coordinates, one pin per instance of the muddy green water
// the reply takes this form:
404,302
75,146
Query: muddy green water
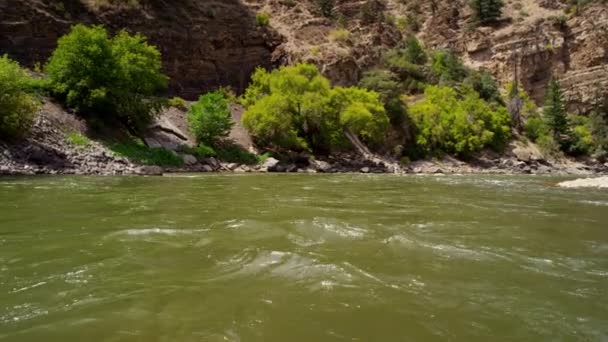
302,258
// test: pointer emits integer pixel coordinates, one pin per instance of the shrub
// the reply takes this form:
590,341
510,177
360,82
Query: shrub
582,140
17,108
77,139
204,151
178,103
386,85
113,78
262,19
555,113
295,108
450,124
340,35
484,84
210,118
142,154
447,67
235,154
486,11
326,7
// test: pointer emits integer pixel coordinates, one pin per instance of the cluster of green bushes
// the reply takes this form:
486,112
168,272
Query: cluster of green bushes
296,108
111,79
17,106
462,110
557,131
486,11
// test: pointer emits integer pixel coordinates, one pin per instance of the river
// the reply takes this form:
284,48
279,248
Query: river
302,258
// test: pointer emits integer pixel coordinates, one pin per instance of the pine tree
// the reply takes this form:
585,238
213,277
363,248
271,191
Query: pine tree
487,11
555,110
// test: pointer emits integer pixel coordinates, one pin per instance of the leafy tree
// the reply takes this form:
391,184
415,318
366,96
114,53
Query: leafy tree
462,126
295,108
447,67
484,84
386,84
210,118
555,112
113,78
17,108
487,11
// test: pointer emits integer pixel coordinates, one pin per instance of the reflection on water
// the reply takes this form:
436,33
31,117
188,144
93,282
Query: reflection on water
302,258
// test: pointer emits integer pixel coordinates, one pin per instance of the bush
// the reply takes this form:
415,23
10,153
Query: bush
487,11
484,84
447,67
178,103
262,19
326,7
295,108
17,108
204,151
385,83
339,35
78,140
142,154
235,154
447,123
210,118
113,78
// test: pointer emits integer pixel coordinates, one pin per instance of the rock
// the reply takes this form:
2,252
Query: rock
600,182
206,168
213,163
291,168
189,159
321,166
150,170
364,170
269,164
232,166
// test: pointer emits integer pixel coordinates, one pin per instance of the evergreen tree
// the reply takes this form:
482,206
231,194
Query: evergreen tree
555,111
487,11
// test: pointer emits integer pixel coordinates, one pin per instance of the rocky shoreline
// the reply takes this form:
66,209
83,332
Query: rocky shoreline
46,151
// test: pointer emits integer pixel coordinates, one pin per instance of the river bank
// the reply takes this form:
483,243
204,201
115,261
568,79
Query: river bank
48,150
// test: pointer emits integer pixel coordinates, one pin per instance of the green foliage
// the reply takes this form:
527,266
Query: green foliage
598,126
484,84
77,139
447,67
139,153
555,112
326,7
535,127
386,84
582,142
204,151
235,154
295,108
450,124
486,11
178,103
113,78
17,108
262,19
408,63
210,119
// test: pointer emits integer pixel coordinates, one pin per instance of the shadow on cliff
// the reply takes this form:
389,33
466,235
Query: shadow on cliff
205,44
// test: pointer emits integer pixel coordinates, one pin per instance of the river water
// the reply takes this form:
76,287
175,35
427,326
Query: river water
302,258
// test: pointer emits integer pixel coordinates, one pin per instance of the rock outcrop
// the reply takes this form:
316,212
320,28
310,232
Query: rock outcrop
204,43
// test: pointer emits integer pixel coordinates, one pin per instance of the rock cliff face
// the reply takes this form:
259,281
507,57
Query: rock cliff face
207,43
204,43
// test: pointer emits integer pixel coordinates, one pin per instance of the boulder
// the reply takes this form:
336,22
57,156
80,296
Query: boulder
321,166
189,159
213,163
150,170
269,164
364,170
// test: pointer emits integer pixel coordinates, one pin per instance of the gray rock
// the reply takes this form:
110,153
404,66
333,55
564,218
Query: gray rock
189,159
291,168
364,170
321,166
150,170
215,165
232,166
206,168
269,164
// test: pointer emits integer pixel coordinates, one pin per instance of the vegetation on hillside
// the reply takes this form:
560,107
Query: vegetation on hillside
17,107
295,107
210,119
108,78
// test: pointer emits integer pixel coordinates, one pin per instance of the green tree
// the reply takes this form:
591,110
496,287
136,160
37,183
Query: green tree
450,124
113,78
555,112
295,107
386,84
210,118
487,11
447,68
17,108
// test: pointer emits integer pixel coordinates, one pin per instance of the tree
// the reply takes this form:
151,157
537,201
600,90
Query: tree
385,83
450,124
17,108
487,11
113,78
295,107
210,118
555,112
